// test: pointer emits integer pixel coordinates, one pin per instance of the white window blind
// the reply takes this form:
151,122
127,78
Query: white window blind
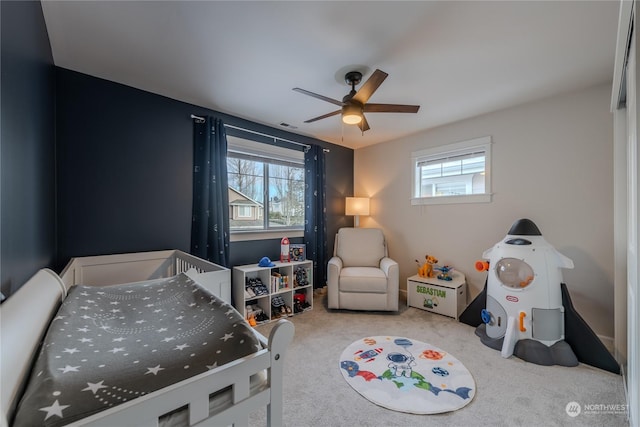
259,151
454,173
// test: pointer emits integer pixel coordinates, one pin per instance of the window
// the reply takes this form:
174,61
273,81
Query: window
266,186
455,173
244,211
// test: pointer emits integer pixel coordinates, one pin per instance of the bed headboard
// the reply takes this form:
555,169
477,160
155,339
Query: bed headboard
24,318
102,270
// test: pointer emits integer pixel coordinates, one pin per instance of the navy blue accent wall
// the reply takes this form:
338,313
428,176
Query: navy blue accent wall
92,167
124,171
27,206
250,252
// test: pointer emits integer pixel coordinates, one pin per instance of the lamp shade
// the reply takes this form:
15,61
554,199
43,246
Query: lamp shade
357,206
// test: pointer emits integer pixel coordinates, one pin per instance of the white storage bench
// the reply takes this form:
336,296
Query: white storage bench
448,298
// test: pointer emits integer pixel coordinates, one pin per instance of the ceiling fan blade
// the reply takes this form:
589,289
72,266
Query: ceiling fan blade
370,86
315,95
391,108
364,125
333,113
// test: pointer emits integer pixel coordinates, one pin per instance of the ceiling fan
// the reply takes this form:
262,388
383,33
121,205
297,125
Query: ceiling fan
354,104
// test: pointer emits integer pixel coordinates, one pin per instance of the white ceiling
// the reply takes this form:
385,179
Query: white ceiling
455,59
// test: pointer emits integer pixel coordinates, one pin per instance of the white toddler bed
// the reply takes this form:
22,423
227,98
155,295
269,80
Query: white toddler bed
223,395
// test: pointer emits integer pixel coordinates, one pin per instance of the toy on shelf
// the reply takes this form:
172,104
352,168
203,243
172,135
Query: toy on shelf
445,272
284,250
525,308
300,303
426,269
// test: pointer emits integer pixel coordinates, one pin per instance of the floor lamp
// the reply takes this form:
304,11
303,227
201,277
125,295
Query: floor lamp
357,206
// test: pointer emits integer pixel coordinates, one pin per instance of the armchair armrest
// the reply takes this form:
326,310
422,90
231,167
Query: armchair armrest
333,276
389,266
335,261
392,270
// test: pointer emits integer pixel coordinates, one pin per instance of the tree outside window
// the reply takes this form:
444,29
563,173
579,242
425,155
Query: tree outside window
282,198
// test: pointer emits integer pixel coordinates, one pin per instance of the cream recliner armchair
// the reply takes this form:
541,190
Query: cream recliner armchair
360,275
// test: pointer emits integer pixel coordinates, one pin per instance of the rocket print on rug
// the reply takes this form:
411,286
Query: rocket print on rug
406,375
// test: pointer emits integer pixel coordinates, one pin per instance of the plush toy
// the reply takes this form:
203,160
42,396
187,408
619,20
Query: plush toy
426,270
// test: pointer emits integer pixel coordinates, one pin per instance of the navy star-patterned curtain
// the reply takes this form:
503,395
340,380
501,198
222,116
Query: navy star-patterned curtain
210,218
315,228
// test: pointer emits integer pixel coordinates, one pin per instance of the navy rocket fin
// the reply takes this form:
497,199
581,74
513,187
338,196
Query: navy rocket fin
583,341
472,314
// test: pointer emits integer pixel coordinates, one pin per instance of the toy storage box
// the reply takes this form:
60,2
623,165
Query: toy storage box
445,297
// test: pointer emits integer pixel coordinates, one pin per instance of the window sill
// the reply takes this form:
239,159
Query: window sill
448,200
243,236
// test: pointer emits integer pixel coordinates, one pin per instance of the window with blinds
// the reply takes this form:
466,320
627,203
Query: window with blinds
454,173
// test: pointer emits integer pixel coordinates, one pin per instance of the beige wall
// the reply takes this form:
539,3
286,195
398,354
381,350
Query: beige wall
552,163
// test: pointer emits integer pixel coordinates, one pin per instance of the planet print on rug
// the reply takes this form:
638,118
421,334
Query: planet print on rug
407,375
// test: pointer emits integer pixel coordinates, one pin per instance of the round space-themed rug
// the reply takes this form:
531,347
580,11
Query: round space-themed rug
406,375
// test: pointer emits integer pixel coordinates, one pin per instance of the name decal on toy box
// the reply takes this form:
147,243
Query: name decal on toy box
431,291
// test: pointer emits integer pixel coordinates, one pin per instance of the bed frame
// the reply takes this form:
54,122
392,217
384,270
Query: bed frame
135,267
25,317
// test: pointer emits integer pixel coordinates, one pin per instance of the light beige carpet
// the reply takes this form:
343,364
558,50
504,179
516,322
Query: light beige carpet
510,392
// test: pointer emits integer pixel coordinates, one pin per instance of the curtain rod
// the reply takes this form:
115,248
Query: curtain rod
262,134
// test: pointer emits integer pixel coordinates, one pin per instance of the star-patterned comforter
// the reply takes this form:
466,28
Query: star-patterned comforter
108,345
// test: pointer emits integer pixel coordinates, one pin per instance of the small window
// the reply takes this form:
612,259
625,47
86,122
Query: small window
454,173
244,212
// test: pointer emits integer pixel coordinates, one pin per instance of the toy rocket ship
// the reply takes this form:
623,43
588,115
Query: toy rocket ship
525,307
524,300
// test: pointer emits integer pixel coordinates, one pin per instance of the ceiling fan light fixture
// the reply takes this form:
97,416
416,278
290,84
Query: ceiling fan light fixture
355,103
351,114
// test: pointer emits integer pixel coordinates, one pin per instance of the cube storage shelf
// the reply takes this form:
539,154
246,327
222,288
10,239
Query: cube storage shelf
280,281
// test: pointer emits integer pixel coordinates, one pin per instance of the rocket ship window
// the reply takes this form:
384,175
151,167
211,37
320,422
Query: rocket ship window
514,273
